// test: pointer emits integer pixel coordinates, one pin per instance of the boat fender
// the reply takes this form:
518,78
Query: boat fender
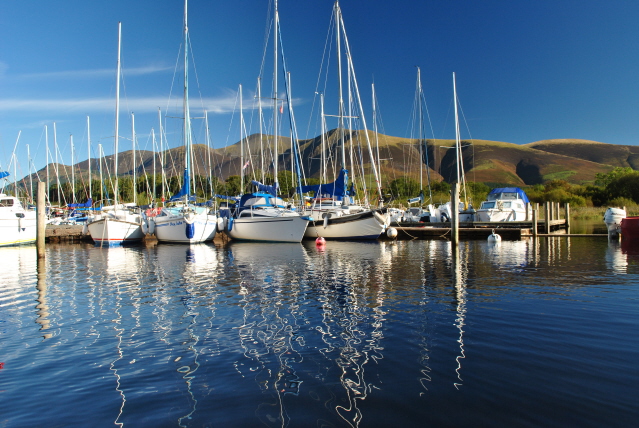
445,218
494,238
145,227
230,224
380,218
85,229
391,232
190,230
151,226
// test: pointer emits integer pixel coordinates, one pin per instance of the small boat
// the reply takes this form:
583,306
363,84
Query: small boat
630,229
17,225
503,204
612,218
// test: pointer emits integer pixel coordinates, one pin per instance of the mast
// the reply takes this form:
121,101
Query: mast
46,137
261,119
154,152
101,156
208,150
72,171
135,190
161,152
323,154
340,107
276,26
457,137
241,144
30,176
89,153
187,117
117,117
57,172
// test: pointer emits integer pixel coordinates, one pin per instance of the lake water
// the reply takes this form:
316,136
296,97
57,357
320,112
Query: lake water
410,333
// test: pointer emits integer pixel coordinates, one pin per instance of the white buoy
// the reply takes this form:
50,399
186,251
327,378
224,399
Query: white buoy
493,237
391,232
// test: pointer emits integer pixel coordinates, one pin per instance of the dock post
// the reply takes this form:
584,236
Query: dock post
454,214
527,208
547,216
567,206
534,223
557,211
40,219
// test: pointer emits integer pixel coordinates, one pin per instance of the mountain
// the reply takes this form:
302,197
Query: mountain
491,162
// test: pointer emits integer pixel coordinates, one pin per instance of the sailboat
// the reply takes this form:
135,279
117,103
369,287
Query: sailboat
117,224
332,203
182,221
263,215
17,224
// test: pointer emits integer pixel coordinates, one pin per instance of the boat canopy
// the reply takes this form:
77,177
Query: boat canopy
329,190
265,187
4,174
508,193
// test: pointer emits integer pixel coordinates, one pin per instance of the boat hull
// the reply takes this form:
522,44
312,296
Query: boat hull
112,231
630,229
16,230
186,228
359,226
496,215
271,229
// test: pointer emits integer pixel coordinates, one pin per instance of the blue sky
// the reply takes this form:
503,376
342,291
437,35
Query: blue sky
526,70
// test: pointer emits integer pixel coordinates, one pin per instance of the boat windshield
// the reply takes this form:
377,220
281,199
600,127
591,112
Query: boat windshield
6,202
487,205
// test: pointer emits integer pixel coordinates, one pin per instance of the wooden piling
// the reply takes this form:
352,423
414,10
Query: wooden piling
547,217
41,219
534,223
454,214
567,207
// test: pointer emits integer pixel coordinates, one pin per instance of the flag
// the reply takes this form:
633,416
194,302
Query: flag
282,108
245,165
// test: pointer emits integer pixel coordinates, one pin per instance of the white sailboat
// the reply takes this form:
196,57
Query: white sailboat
262,215
182,221
119,224
338,217
17,224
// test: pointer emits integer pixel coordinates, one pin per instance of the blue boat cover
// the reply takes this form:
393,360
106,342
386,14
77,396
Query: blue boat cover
4,174
265,187
87,204
522,195
186,187
330,190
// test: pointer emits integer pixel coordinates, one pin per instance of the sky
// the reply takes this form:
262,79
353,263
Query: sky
525,70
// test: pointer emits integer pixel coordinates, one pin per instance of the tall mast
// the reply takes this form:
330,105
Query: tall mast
323,155
46,137
340,108
135,190
72,170
154,152
276,24
30,176
187,114
117,116
161,153
241,144
261,119
89,153
101,156
57,172
208,151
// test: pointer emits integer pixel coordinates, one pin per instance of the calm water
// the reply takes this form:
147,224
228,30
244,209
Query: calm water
285,335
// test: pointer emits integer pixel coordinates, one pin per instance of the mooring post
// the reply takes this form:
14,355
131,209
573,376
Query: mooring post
454,214
547,216
41,218
534,223
567,217
527,208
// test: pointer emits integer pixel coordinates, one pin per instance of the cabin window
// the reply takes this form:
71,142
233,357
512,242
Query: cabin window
507,204
487,205
6,202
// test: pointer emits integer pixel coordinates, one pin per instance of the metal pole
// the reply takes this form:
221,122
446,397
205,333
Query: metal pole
41,219
454,213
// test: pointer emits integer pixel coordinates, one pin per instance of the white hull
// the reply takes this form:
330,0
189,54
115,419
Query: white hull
272,229
17,230
362,225
110,230
497,215
189,228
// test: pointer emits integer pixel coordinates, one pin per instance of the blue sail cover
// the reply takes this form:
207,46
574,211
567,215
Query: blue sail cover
87,204
265,187
186,187
329,190
522,195
4,174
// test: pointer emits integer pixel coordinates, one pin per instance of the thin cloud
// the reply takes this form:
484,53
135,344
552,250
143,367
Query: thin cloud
86,74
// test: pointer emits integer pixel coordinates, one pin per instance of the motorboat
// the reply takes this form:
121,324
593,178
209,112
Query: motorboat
17,224
504,204
613,217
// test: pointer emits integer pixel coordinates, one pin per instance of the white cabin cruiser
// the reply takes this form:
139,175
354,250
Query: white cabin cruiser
17,225
504,204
